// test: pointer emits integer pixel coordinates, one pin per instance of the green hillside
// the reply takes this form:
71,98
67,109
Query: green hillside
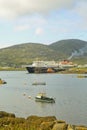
71,48
23,54
67,47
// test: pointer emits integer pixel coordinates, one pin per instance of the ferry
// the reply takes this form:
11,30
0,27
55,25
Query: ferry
43,67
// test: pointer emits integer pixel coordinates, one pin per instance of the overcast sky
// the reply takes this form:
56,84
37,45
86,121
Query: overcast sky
42,21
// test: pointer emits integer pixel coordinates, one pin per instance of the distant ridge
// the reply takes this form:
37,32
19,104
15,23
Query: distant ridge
69,46
25,53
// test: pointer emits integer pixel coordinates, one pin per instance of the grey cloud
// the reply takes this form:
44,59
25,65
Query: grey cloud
13,8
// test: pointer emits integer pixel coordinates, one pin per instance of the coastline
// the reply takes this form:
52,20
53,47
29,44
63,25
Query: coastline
10,121
75,71
81,70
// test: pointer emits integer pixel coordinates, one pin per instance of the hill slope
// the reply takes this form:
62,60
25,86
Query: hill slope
25,53
67,47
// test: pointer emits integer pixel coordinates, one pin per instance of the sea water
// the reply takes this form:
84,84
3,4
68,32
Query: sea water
69,91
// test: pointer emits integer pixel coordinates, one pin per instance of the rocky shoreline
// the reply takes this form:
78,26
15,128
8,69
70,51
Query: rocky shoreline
9,121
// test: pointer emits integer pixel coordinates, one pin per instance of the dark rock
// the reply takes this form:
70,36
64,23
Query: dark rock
5,114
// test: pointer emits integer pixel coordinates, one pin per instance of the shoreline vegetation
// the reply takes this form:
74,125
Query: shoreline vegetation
12,69
81,70
75,70
8,121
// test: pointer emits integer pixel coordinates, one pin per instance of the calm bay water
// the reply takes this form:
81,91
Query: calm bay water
69,92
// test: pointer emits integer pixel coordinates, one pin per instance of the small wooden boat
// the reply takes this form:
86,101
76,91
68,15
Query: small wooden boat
41,97
39,83
2,81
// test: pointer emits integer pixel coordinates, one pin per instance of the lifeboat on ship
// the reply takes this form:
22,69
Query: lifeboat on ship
50,70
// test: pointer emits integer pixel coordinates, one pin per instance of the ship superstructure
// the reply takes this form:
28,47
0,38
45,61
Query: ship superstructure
43,67
49,66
